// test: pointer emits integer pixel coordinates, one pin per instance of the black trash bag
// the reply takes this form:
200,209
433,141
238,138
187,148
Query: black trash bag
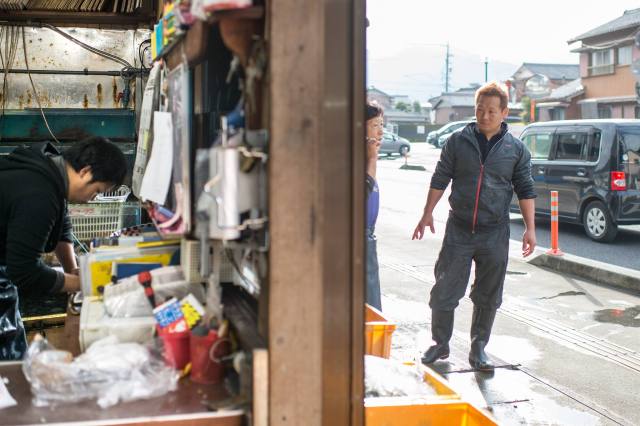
13,340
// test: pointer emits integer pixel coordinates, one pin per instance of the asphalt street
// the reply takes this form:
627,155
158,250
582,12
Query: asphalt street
569,349
623,251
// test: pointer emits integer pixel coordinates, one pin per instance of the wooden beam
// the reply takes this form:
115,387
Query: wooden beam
295,204
358,255
316,196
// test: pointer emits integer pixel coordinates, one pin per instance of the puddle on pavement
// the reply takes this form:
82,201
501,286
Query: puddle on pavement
564,293
518,399
514,350
629,317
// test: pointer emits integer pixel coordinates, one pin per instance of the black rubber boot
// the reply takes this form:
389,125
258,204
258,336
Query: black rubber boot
481,324
441,331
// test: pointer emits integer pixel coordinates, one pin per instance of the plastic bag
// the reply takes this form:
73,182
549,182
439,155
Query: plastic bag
127,298
385,377
108,371
197,10
6,400
12,336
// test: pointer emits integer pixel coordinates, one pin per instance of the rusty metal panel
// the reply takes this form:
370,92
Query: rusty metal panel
47,50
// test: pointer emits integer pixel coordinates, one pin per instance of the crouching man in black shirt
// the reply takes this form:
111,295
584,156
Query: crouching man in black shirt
35,185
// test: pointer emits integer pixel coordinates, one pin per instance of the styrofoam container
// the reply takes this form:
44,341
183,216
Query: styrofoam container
96,324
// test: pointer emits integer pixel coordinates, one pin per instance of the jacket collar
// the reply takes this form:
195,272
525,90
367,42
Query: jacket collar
469,133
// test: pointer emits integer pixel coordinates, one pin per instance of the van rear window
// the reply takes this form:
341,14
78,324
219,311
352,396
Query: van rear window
629,138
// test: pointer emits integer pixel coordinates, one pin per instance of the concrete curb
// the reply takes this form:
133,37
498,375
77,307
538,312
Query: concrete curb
592,270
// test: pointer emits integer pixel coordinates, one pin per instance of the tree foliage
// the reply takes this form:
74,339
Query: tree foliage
402,106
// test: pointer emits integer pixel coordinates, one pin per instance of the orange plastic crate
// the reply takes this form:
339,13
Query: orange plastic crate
378,331
444,408
451,412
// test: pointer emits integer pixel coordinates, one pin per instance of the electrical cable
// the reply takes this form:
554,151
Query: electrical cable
87,47
10,35
33,86
141,51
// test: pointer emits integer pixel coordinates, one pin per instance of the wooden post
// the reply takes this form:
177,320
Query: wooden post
316,197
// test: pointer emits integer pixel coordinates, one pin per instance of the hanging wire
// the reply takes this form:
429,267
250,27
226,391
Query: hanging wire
7,57
33,86
89,48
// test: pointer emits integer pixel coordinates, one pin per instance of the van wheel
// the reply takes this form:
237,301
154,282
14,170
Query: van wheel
598,224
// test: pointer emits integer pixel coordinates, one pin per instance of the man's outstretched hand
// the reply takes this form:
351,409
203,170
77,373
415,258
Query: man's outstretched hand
426,220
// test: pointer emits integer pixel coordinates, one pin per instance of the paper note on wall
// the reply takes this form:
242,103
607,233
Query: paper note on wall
157,176
149,103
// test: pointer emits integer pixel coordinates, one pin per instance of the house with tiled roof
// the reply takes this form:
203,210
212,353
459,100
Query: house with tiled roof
607,56
562,102
542,77
382,98
454,106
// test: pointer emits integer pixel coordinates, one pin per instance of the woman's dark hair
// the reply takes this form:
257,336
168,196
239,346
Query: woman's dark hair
107,162
373,110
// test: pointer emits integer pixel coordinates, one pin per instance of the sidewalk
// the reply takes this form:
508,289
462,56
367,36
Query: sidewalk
516,393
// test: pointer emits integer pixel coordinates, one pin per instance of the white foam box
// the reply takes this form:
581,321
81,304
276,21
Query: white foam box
95,324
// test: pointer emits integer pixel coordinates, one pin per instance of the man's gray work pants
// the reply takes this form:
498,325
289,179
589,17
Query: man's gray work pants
489,248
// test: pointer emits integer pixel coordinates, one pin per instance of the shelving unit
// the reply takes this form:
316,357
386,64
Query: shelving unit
84,19
194,41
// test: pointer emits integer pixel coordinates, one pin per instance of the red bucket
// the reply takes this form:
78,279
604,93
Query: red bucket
176,348
206,354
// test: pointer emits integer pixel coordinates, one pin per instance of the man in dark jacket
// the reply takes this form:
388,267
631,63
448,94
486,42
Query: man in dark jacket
486,165
35,185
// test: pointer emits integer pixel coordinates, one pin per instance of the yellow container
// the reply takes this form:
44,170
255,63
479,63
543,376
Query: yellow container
377,332
444,408
450,413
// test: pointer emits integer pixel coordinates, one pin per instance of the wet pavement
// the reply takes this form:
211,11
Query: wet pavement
569,350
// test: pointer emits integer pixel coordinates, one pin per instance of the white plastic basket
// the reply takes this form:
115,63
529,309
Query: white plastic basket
99,217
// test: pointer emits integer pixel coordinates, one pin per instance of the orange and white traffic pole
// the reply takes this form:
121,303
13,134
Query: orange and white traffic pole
554,250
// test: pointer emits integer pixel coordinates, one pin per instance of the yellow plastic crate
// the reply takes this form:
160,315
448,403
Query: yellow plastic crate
444,408
378,331
450,413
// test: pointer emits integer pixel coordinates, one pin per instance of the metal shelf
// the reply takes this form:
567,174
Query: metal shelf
194,41
77,19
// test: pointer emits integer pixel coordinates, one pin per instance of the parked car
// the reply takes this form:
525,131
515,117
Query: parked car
514,129
434,136
394,144
595,167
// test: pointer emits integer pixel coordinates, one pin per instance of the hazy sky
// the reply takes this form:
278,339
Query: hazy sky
502,30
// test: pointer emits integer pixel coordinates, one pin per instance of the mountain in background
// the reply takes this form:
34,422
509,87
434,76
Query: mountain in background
418,71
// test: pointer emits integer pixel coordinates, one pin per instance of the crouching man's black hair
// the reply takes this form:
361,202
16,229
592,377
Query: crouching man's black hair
107,162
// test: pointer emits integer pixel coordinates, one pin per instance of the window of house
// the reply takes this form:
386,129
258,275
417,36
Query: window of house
557,114
604,111
601,62
539,144
624,55
571,146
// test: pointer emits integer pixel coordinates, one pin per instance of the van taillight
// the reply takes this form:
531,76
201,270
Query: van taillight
618,181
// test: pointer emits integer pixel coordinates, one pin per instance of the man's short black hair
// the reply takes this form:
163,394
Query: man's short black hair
107,162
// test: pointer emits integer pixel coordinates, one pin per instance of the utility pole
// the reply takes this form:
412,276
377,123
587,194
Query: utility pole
486,69
446,70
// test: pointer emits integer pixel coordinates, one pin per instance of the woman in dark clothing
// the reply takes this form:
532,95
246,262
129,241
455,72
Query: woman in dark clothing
374,138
